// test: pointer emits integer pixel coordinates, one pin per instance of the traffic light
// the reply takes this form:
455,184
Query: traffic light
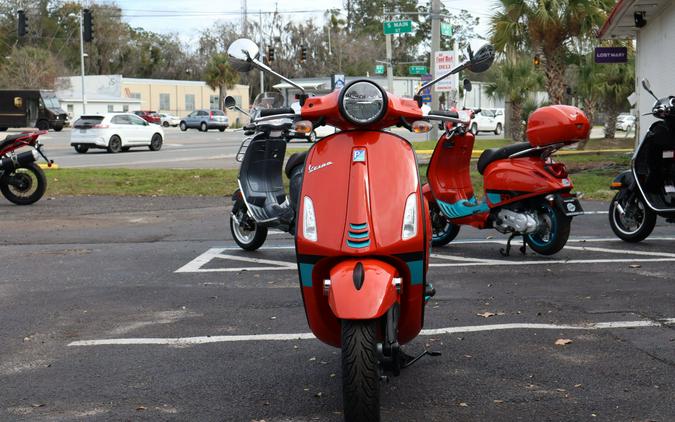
22,24
303,54
87,25
270,53
536,60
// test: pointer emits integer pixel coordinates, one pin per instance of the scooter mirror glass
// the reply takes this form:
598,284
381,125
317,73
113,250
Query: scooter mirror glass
467,85
646,85
241,53
482,59
230,102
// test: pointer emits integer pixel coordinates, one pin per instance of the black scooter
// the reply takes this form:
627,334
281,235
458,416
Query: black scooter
647,190
261,202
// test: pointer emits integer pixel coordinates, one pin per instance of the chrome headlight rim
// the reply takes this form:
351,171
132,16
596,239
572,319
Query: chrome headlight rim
375,118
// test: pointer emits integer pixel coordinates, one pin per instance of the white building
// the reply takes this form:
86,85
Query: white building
652,24
103,95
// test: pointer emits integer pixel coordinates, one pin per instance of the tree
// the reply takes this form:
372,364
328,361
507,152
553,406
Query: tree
30,68
617,83
514,79
219,74
546,27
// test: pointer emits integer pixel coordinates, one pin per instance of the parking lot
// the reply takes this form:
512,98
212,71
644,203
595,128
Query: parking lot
144,309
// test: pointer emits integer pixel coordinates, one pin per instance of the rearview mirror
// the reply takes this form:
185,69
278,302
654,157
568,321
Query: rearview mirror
482,59
467,85
646,85
241,53
230,102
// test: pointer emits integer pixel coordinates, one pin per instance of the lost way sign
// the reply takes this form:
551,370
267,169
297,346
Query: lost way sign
611,55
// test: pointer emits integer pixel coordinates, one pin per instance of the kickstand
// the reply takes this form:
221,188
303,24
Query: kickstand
523,249
507,251
409,360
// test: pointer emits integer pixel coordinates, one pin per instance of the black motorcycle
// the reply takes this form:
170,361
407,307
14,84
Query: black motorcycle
647,190
261,201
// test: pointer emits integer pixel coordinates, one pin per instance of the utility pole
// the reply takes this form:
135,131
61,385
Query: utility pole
390,67
84,98
244,11
262,51
435,46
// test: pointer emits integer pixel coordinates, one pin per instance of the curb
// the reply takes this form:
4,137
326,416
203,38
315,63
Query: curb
44,166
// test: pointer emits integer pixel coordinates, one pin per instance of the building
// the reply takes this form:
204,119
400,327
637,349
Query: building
651,23
115,93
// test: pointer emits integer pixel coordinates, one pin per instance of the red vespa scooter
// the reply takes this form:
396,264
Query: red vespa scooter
526,192
362,229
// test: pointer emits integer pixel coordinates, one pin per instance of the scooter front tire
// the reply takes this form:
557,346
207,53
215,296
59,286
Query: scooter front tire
248,240
644,227
360,373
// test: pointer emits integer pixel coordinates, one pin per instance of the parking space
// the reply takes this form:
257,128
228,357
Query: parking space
145,310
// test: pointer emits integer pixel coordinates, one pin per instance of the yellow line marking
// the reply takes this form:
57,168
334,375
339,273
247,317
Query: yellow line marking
44,166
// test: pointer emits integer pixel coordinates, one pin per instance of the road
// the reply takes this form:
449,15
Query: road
94,292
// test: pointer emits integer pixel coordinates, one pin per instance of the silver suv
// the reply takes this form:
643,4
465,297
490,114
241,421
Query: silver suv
205,120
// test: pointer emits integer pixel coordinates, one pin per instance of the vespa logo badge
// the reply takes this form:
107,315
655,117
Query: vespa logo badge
565,182
319,166
359,156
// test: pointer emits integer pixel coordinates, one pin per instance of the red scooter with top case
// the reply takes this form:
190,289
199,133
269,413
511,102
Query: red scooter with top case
22,181
526,192
362,229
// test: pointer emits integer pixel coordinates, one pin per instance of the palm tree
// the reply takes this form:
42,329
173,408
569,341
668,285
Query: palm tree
546,27
514,79
219,74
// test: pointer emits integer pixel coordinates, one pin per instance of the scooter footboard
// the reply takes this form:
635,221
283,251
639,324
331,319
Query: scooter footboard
362,288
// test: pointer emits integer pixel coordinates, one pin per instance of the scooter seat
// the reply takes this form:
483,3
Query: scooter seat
494,154
294,160
10,139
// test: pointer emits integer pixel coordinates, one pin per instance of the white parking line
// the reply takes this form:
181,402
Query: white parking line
185,341
195,266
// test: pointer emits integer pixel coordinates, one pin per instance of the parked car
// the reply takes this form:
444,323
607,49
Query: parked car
169,120
487,121
31,108
625,121
115,132
205,120
149,116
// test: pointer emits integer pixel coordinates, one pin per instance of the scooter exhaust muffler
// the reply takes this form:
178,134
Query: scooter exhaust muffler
11,163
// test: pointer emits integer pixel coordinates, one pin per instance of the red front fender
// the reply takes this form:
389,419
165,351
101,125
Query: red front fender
376,295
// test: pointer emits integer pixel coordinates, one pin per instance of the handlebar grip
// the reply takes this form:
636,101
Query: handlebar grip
273,111
452,114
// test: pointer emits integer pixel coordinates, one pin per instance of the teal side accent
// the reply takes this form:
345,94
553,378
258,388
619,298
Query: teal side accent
463,208
358,226
306,274
416,271
358,244
353,235
494,198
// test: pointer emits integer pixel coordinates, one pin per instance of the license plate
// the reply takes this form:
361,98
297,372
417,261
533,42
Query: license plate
571,207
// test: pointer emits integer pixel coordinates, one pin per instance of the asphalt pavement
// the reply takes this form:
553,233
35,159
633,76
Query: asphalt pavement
145,309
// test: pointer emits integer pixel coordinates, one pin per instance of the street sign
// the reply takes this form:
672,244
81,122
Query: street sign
417,70
446,29
445,62
397,27
426,99
611,54
379,69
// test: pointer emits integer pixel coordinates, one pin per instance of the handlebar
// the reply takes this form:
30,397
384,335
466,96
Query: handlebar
274,111
451,114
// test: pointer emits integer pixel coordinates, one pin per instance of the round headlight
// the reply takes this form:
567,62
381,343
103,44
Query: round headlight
363,102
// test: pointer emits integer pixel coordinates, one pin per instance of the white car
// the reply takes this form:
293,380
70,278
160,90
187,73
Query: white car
487,121
169,120
115,132
625,122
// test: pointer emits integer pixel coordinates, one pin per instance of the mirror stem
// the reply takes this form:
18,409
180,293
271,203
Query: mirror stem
445,75
266,68
241,111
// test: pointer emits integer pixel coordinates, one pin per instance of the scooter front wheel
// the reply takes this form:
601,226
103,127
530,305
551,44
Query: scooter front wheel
552,233
635,223
360,373
443,231
248,234
25,185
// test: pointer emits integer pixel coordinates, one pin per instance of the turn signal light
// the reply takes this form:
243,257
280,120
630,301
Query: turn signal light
616,184
421,126
303,126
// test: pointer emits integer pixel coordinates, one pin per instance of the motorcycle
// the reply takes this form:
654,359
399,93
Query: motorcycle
526,193
647,190
22,181
261,201
362,229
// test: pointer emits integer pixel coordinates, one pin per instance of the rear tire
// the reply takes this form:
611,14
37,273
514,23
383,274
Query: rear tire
42,125
203,127
183,126
81,149
248,234
30,184
551,236
156,142
443,231
57,128
165,124
636,224
222,129
360,374
498,129
115,144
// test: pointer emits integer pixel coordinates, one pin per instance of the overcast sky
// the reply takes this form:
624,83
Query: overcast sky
187,18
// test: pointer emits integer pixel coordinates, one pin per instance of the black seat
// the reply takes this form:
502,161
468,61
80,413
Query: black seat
494,154
10,139
294,160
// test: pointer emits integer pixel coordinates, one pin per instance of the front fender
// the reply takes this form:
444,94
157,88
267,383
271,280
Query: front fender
624,180
377,292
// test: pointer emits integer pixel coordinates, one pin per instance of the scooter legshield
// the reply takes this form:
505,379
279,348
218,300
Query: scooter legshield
362,289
